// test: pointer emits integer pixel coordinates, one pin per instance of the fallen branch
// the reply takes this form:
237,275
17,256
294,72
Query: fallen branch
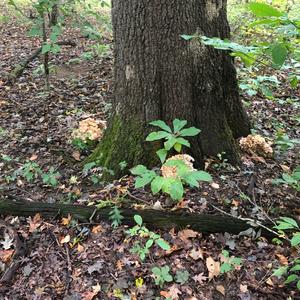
152,218
19,68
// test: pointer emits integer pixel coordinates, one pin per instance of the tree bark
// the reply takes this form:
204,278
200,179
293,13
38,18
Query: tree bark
158,75
152,218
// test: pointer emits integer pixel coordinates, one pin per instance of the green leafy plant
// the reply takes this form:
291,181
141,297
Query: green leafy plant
182,276
174,138
151,238
292,180
289,230
100,50
284,142
229,263
277,49
30,170
116,217
185,174
162,275
51,177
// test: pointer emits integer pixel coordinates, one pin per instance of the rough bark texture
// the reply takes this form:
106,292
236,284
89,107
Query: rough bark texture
151,218
158,75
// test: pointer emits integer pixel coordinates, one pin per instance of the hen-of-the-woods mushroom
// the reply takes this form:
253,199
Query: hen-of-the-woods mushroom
256,144
89,129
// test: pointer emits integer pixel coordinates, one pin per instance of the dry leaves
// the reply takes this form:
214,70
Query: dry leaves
66,221
172,293
283,260
186,234
6,255
196,254
34,223
213,267
65,239
200,278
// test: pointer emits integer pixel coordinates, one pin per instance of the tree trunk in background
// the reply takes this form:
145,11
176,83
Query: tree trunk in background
158,75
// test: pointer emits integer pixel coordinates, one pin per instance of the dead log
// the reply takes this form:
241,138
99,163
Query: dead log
19,68
159,219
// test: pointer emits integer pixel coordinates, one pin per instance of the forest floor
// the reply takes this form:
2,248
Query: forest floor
69,260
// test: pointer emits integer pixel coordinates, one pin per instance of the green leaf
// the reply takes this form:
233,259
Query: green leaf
225,253
295,268
290,221
174,163
294,81
187,37
165,270
138,219
46,48
295,239
163,244
236,261
202,176
55,49
157,135
149,243
264,22
264,10
161,124
183,141
279,54
178,124
170,143
53,37
176,190
168,278
156,184
190,180
291,278
226,267
144,179
162,154
280,271
182,276
177,147
298,285
139,170
192,131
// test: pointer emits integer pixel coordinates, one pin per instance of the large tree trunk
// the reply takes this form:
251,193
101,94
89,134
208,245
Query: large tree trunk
158,75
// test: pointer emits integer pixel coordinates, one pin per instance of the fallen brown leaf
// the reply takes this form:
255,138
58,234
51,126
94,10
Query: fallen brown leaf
196,254
220,288
186,234
213,267
6,255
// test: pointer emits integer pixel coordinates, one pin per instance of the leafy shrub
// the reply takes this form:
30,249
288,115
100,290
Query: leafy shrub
152,238
292,180
162,275
289,229
178,170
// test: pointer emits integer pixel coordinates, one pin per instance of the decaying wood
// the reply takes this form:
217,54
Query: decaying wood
152,218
